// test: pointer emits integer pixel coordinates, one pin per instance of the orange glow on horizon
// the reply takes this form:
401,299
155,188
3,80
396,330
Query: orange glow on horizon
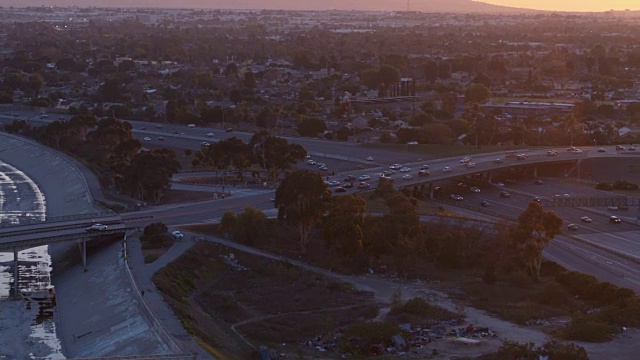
570,5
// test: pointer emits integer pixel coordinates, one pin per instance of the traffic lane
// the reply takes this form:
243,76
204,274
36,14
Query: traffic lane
605,266
516,203
198,212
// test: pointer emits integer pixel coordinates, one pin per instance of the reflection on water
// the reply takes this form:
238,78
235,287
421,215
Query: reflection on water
21,201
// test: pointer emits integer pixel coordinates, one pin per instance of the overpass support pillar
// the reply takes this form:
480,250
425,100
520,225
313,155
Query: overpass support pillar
535,171
431,191
83,249
16,275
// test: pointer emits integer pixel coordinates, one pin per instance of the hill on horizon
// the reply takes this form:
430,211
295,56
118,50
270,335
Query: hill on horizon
455,6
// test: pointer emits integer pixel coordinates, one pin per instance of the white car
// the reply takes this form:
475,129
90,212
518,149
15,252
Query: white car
407,177
370,158
96,227
470,165
191,125
211,134
395,167
456,197
465,159
364,177
405,169
412,143
447,169
177,235
311,162
204,143
147,139
474,189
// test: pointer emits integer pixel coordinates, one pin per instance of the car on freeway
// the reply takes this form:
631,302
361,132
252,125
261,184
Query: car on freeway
162,138
456,197
96,227
43,116
538,182
387,178
407,177
522,157
388,172
177,235
470,165
323,168
619,148
447,169
601,150
395,167
412,143
370,158
364,177
311,162
586,219
191,125
552,153
348,185
631,148
405,169
340,189
498,161
613,208
211,134
175,132
571,148
204,143
572,227
424,167
228,129
332,183
500,184
159,126
363,185
474,189
465,159
147,139
424,173
614,220
504,194
349,178
484,203
537,199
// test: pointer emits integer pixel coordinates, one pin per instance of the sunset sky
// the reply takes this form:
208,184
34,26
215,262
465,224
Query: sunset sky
571,5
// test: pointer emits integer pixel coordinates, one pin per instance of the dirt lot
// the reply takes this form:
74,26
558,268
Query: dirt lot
233,301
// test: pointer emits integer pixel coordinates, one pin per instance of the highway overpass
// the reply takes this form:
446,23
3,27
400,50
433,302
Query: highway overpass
58,230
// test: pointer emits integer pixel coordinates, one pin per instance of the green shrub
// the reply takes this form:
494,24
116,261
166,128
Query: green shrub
418,306
584,328
556,351
520,280
604,186
553,293
150,258
624,185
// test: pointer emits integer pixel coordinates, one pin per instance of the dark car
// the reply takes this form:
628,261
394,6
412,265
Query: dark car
614,220
538,182
572,227
340,189
504,194
349,178
348,185
537,199
484,203
228,129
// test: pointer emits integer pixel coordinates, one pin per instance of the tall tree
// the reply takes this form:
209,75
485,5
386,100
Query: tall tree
536,228
274,154
343,224
249,226
301,200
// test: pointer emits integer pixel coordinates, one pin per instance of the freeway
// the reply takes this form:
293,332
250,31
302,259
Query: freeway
574,255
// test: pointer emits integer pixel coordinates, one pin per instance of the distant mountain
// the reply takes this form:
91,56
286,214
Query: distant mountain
457,6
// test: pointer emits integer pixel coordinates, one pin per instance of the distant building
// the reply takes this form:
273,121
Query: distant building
526,108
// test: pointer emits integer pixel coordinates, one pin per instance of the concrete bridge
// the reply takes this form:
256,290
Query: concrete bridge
58,230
